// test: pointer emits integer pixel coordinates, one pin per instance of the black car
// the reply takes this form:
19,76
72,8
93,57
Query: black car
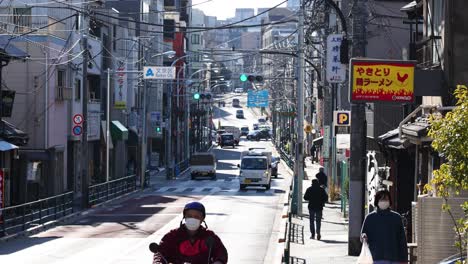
274,166
227,139
262,134
244,131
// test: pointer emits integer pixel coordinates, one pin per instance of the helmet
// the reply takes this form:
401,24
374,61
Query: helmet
195,206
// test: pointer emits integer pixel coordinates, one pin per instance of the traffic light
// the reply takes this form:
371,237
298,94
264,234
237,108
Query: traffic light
202,96
158,127
251,78
243,77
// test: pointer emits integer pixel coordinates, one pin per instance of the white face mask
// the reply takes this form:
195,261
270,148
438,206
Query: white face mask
192,224
383,204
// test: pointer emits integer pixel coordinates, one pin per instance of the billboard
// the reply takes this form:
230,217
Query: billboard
381,81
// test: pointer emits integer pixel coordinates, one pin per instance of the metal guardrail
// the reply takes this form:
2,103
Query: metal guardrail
287,234
14,219
181,167
286,158
106,191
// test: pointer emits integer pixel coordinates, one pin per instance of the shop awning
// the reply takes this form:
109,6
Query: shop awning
391,139
7,146
12,134
118,131
318,141
9,51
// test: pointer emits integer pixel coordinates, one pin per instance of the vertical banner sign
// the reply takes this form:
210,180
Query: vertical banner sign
326,142
2,191
336,72
120,93
382,81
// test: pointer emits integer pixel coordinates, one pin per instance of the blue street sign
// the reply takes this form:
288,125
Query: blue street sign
257,98
77,130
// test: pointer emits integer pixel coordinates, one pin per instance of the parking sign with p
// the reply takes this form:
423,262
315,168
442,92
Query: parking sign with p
342,118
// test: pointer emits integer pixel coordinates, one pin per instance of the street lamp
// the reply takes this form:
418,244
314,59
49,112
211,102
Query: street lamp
144,134
169,161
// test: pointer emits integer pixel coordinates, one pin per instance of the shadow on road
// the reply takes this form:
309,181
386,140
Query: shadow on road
7,249
220,112
329,241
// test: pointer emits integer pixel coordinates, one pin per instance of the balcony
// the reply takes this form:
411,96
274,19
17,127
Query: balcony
428,52
12,24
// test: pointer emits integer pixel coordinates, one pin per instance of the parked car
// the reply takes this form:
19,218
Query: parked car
274,166
235,102
244,131
239,90
227,140
239,114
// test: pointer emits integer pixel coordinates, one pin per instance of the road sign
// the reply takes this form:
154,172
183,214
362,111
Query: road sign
77,130
342,118
78,119
159,73
257,98
336,72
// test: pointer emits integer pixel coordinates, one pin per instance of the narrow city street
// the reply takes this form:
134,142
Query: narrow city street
120,232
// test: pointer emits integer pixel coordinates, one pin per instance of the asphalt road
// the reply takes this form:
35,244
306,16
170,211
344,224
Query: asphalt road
246,221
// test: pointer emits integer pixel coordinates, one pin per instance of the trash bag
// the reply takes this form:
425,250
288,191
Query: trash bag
365,257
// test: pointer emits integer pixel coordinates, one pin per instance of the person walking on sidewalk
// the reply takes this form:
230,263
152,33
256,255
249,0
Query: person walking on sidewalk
322,177
384,232
316,196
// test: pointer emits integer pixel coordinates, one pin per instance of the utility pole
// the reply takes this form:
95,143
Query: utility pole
358,137
299,163
84,138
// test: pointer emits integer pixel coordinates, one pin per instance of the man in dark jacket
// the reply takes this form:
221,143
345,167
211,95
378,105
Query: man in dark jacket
316,196
322,177
191,242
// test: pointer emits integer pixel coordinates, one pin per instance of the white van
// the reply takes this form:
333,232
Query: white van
255,169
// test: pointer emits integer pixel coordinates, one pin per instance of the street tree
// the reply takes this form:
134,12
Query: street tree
449,135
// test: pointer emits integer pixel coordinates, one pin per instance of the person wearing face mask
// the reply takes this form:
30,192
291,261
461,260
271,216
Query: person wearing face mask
191,242
384,232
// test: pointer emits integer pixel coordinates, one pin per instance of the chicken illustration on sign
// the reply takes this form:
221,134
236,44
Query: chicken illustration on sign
388,81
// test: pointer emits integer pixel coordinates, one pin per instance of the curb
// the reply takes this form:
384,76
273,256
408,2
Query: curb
280,221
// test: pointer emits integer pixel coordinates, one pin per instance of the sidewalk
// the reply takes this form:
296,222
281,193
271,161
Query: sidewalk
333,247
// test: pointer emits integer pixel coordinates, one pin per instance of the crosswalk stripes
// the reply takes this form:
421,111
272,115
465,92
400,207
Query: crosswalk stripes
212,190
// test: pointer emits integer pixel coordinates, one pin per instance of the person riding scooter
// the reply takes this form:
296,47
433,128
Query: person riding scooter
191,242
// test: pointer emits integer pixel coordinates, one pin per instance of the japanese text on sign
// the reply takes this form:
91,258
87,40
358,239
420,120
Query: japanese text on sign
389,81
336,72
120,92
160,73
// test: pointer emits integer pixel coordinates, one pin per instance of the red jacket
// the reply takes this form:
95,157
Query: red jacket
176,248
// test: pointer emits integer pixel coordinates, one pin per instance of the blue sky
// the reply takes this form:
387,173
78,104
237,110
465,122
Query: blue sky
226,8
